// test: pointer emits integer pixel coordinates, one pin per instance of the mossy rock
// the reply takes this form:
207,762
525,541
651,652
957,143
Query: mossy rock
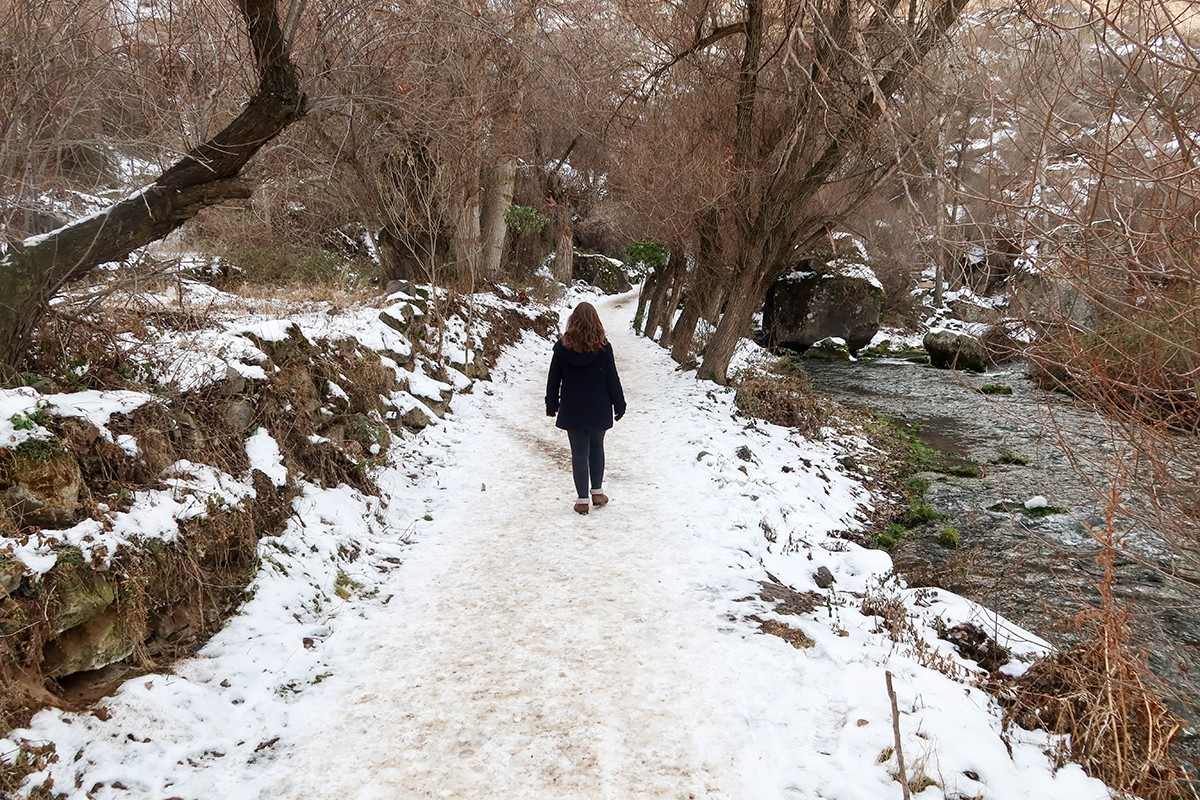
40,487
79,593
952,350
606,274
293,347
96,643
829,349
817,302
402,318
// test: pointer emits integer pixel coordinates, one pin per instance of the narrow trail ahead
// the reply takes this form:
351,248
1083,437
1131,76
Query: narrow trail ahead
533,653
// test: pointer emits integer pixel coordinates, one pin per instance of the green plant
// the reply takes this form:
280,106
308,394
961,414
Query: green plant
343,585
919,512
948,537
960,470
1037,512
995,388
29,420
646,255
1008,457
524,219
39,449
889,537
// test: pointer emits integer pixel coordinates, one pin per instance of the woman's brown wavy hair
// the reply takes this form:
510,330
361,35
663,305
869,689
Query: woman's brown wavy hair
585,332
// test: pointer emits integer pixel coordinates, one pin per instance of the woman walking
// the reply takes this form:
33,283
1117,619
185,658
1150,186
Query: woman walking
584,391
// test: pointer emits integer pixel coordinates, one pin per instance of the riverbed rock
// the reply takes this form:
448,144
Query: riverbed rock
607,274
829,349
40,487
950,350
807,306
823,578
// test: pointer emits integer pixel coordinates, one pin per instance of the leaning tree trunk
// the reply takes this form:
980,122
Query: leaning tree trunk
701,289
735,324
668,315
648,287
773,235
33,271
658,300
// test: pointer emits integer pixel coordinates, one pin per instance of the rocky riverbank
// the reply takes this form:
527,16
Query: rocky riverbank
1045,467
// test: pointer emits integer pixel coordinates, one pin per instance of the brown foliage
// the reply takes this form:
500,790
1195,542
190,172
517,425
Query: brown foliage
785,400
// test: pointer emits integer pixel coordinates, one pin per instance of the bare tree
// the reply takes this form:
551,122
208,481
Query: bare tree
33,270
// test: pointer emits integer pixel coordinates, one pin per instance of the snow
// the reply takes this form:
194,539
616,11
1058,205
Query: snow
20,408
1037,501
467,635
896,339
263,452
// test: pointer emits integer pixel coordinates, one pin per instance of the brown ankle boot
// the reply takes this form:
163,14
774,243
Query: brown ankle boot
581,508
599,499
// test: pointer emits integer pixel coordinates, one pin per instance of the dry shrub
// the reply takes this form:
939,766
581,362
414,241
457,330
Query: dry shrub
1101,694
1000,345
785,400
1140,370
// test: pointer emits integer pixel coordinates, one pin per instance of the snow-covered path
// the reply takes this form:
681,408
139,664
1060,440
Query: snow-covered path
473,638
532,652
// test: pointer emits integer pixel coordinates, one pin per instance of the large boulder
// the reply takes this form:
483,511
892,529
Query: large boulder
807,306
607,274
950,350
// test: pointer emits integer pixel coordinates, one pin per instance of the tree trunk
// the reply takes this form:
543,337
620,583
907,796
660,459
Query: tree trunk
685,332
33,271
659,299
734,325
466,242
564,245
499,182
648,287
668,316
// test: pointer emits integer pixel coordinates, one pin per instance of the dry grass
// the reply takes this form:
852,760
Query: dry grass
785,400
1100,693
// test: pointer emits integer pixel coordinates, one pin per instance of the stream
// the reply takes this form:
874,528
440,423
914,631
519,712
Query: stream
1038,570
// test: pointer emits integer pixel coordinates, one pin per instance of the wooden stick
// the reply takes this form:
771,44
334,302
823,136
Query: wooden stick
896,732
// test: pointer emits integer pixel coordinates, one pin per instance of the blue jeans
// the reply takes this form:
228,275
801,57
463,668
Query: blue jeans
587,457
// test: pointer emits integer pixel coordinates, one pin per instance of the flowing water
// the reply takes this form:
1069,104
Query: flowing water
1038,570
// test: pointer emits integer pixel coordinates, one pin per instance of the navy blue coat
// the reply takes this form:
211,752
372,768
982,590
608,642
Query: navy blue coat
584,389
